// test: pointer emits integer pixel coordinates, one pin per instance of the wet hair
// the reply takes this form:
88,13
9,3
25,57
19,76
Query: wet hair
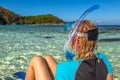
81,44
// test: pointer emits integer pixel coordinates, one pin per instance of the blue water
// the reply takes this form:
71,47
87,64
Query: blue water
20,43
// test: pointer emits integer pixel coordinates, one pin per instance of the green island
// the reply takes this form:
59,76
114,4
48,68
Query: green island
8,17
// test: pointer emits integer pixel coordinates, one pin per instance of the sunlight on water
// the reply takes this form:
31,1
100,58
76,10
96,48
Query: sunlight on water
17,46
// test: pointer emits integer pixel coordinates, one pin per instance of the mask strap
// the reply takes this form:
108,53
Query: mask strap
93,34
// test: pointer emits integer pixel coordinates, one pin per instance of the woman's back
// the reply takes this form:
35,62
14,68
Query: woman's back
91,69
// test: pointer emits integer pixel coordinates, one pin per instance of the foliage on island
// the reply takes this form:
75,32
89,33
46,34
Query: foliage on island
9,17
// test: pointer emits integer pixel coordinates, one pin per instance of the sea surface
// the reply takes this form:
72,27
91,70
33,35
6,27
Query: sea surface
18,44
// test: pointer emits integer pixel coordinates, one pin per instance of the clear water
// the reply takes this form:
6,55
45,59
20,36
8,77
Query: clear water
20,43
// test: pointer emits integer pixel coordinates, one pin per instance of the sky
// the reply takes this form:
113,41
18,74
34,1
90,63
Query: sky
68,10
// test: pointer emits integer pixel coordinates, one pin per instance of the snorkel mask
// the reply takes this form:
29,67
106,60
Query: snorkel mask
91,34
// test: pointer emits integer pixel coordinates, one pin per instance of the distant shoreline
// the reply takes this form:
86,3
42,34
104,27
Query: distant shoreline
106,25
47,24
34,24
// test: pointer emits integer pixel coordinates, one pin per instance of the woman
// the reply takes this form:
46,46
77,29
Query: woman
83,43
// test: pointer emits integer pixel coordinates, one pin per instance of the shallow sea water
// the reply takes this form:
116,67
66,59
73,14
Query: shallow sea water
20,43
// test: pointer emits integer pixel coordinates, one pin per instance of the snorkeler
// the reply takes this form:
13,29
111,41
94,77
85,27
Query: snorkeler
83,61
83,43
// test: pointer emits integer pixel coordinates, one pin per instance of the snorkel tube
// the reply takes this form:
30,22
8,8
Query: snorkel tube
70,53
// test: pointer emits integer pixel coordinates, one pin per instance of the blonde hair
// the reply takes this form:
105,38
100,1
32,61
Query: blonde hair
85,48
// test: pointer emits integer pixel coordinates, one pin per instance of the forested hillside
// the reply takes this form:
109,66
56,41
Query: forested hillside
9,17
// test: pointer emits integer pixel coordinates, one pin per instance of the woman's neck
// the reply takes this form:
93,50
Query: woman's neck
87,55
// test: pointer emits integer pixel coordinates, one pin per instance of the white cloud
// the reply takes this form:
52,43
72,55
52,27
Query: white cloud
98,21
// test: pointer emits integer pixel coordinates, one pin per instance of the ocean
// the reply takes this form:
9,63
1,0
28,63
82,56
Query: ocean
18,44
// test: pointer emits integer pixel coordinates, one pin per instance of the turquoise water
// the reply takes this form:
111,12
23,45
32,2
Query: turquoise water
20,43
